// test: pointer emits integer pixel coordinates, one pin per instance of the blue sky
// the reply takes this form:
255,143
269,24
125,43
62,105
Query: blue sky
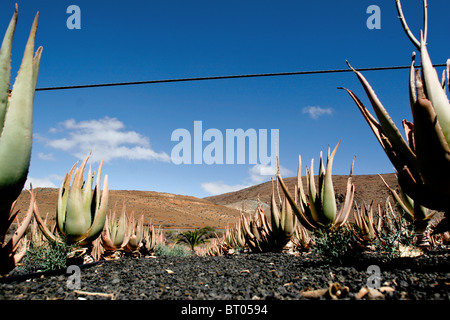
130,127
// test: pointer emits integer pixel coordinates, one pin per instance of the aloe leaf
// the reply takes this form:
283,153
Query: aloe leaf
328,196
274,212
448,74
63,195
321,176
400,156
412,82
378,131
97,188
283,218
307,223
289,221
435,93
421,193
23,226
87,197
119,235
344,213
302,197
75,224
433,153
408,127
5,67
407,209
314,201
100,215
389,127
43,225
16,137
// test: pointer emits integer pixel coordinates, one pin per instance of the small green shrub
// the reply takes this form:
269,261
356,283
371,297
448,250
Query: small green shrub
50,256
396,234
175,251
336,246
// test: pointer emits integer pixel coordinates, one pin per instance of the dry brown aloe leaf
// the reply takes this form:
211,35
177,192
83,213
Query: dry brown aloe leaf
314,294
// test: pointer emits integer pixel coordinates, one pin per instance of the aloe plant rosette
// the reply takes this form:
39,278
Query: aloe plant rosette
16,113
316,208
81,210
422,161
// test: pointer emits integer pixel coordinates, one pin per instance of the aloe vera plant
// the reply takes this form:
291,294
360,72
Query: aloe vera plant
318,210
124,233
422,161
234,237
302,238
16,113
81,210
114,235
135,234
365,221
151,238
260,235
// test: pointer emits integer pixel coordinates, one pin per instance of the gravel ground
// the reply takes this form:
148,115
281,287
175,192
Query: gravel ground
267,276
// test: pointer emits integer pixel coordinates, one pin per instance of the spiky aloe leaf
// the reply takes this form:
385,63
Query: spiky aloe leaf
448,74
136,234
5,67
399,153
406,206
289,222
344,213
329,209
301,193
100,214
75,221
274,211
16,136
298,211
314,200
120,230
389,129
432,150
434,91
86,194
62,200
412,82
43,225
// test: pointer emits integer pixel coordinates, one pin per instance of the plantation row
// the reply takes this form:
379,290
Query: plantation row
299,218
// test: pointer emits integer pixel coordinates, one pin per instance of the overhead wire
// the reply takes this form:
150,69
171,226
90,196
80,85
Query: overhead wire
83,86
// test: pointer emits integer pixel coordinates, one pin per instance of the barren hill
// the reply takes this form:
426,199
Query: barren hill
162,209
367,188
179,211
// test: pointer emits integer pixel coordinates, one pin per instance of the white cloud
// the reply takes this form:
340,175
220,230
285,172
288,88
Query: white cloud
260,172
45,156
315,112
215,188
257,174
106,138
51,181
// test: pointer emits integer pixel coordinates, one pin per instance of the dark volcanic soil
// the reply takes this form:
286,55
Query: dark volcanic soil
265,276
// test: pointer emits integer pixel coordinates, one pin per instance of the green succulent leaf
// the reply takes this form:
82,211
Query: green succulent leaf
329,209
5,67
16,116
434,92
